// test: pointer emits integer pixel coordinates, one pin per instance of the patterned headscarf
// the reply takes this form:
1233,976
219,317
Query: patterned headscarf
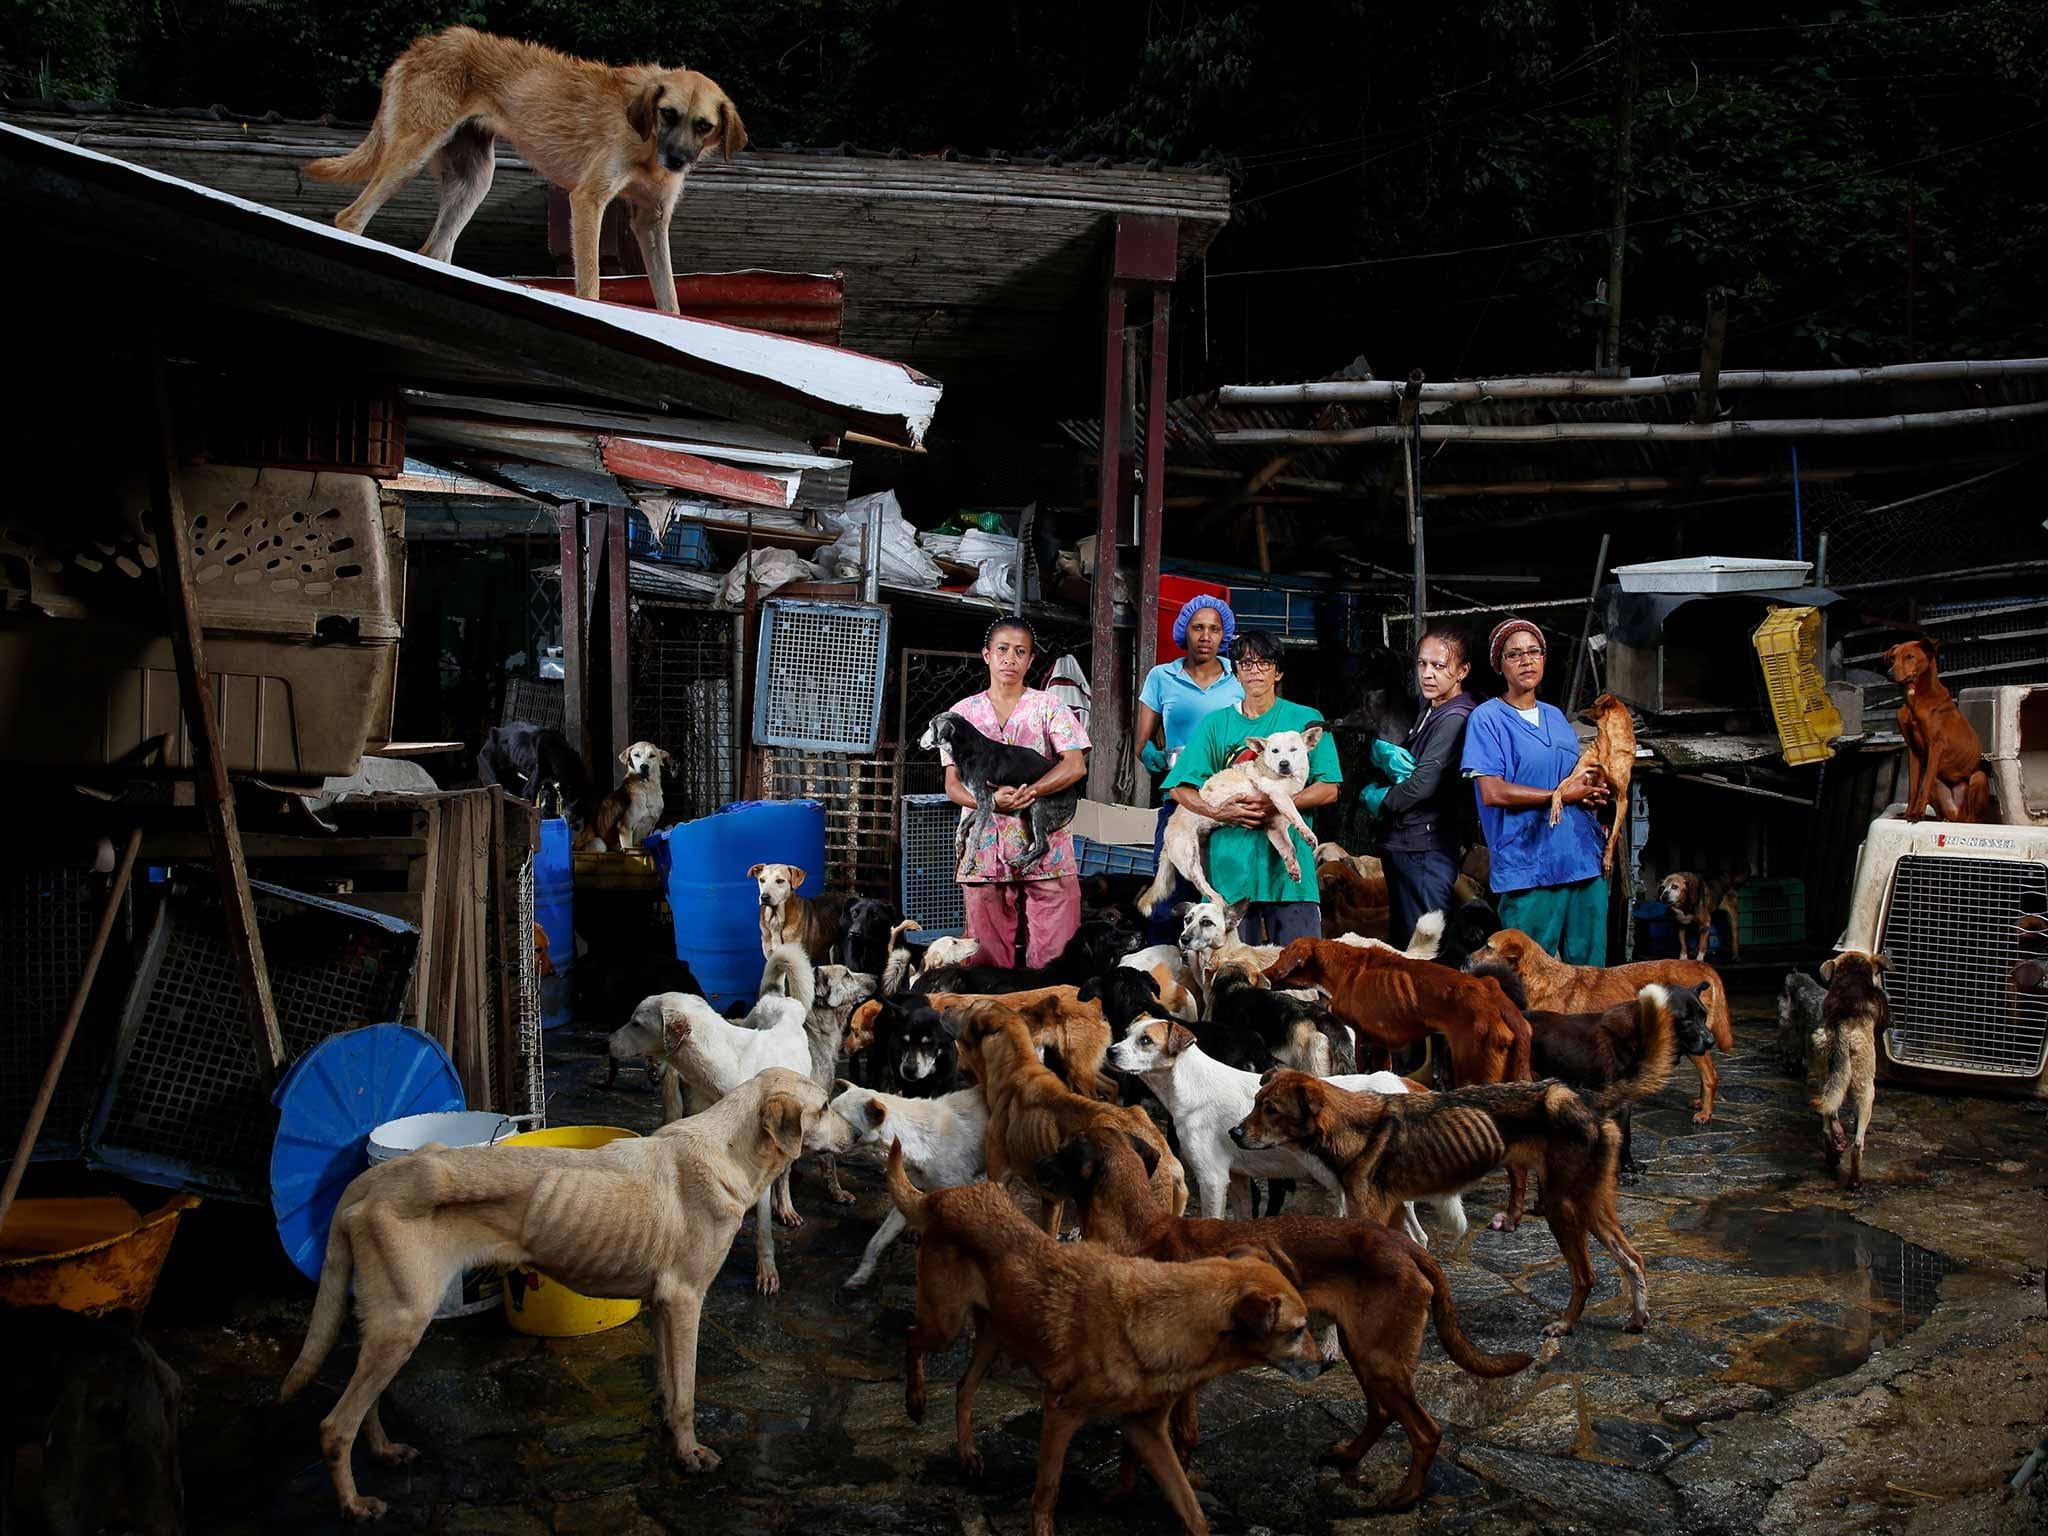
1503,632
1195,605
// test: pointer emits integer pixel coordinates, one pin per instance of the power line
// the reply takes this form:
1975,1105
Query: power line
1821,26
1607,229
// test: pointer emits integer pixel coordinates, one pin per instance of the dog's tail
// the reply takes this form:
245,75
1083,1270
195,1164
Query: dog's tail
330,1308
1657,1045
1836,1087
909,1200
789,971
1428,937
1444,1313
1717,1010
357,165
1505,974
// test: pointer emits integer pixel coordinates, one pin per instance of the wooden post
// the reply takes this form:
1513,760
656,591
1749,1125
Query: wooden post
1102,689
1151,530
202,730
1571,700
617,614
32,1128
1624,164
575,722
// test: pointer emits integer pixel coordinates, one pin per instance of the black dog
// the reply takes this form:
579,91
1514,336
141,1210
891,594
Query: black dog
912,1053
1126,995
864,929
986,765
523,757
1236,1002
102,1407
1093,951
1466,929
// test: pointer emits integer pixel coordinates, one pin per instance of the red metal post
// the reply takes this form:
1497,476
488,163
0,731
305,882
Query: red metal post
1102,679
575,725
1155,485
618,598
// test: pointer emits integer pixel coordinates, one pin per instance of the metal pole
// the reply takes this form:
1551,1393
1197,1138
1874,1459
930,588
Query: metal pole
1151,526
617,616
68,1030
1415,509
575,722
1571,700
871,566
1102,689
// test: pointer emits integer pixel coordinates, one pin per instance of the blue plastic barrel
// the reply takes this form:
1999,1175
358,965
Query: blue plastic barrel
716,904
554,908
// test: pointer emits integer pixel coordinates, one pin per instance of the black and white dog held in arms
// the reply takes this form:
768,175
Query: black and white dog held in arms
986,765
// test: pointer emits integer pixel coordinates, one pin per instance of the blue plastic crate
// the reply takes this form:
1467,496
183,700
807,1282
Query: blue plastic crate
818,685
1093,858
1284,611
686,544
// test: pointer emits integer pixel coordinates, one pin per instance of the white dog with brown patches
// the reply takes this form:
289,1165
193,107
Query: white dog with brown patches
941,1138
1275,766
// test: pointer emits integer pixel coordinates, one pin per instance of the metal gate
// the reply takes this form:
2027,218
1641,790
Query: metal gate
860,799
1953,939
684,666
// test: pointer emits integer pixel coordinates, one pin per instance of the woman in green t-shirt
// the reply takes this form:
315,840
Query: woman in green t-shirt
1240,862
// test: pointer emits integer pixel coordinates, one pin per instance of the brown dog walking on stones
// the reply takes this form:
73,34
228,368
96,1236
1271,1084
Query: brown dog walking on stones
595,130
1942,747
1842,1056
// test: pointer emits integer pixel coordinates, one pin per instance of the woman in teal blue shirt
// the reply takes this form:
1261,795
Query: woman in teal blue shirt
1177,697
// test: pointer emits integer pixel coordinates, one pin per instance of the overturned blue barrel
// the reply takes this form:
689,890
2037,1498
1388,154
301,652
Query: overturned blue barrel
554,908
715,901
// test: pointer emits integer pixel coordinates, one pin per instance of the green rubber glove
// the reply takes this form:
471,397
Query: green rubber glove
1373,796
1153,756
1392,759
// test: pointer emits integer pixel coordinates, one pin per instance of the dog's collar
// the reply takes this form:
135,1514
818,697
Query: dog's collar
1244,755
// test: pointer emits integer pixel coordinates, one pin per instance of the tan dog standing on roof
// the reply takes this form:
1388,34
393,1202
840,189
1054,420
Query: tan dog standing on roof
598,131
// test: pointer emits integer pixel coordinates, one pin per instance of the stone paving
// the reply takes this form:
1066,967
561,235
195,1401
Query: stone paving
1816,1362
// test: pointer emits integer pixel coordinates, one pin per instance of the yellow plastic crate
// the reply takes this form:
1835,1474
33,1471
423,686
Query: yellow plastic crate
1787,643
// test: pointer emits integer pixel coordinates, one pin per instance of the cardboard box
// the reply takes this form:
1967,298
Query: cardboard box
1122,825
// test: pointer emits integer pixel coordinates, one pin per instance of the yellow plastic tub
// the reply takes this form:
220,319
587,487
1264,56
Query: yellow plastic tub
92,1255
540,1304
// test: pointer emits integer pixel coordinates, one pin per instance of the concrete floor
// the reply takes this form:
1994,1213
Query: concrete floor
1816,1361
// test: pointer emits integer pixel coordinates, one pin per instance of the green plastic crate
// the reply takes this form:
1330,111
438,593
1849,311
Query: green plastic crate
1772,912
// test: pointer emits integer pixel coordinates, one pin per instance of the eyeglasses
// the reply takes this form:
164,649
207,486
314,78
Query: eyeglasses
1516,656
1257,664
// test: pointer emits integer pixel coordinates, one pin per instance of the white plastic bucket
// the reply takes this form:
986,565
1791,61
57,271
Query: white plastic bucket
477,1290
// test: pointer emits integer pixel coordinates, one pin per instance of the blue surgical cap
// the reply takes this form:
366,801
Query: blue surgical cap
1195,605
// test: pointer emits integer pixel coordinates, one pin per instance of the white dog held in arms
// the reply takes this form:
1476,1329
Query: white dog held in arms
1275,766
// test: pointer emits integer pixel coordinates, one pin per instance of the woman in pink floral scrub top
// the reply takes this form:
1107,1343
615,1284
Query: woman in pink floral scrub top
996,891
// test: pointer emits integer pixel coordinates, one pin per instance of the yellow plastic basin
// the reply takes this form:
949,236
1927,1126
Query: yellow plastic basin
539,1304
90,1255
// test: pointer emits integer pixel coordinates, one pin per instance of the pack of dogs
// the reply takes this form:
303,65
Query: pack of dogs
1141,1103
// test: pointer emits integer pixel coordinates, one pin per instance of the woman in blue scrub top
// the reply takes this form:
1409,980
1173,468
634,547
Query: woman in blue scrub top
1177,697
1518,750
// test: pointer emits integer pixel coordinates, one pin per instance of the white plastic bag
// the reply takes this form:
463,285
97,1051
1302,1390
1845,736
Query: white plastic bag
772,568
902,563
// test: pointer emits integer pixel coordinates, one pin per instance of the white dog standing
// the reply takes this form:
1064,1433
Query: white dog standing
942,1146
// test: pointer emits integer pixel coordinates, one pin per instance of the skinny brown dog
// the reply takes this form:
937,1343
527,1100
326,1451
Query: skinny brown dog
1386,1148
1613,752
1106,1336
1379,1286
1946,756
1032,1112
651,1217
595,130
1555,987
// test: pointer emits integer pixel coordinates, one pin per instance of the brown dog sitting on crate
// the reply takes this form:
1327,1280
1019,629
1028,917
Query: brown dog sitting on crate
623,818
1612,752
1942,747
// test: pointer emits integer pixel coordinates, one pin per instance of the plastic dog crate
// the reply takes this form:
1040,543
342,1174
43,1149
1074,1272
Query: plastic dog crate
1093,858
685,544
931,893
818,685
1772,912
297,577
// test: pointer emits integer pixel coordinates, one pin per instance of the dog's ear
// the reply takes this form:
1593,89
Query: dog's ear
782,1122
1147,1153
641,110
1265,1255
860,1026
755,872
1827,970
796,876
1255,744
1312,735
1178,1038
1091,989
1704,991
1256,1312
876,1111
841,1084
1269,1074
626,757
1234,913
1879,963
732,133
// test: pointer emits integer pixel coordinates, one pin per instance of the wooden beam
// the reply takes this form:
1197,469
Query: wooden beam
1102,689
659,465
1152,528
202,729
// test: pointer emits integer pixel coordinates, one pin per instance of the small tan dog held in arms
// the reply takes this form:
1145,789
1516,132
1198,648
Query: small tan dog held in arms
650,1217
597,131
1612,755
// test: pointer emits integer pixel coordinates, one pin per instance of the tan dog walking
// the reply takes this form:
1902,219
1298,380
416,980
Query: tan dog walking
598,131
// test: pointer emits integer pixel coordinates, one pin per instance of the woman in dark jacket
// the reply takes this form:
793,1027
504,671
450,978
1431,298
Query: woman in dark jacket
1426,811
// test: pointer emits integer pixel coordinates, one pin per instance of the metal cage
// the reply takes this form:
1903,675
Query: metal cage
1952,939
859,795
818,685
684,662
931,889
47,919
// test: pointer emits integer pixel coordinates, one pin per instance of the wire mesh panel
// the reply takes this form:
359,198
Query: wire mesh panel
1952,937
682,700
819,683
47,918
931,682
931,893
184,1105
527,1090
534,700
859,795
